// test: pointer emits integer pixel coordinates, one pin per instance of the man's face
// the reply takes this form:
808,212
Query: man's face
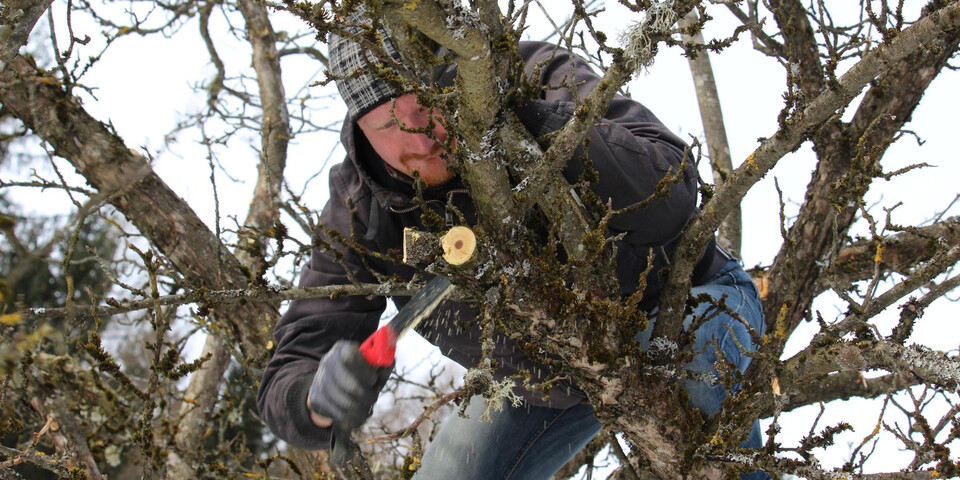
406,151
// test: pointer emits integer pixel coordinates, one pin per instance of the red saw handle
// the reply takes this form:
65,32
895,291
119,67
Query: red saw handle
380,348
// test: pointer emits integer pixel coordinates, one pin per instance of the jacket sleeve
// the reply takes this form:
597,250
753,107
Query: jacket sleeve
630,149
310,327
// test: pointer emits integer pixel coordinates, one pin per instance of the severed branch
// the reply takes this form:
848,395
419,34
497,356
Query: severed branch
457,246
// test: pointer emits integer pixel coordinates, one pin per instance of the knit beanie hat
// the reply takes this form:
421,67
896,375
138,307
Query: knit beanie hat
363,92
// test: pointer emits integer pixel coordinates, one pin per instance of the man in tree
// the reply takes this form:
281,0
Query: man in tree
317,387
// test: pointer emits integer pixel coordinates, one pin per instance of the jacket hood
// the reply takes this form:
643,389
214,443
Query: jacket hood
352,138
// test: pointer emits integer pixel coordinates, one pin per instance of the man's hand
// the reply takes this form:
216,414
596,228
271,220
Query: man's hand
345,388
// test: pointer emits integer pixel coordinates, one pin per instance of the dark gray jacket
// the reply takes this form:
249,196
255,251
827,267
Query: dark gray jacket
630,149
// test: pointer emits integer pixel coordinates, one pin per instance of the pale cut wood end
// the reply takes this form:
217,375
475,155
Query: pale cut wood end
459,245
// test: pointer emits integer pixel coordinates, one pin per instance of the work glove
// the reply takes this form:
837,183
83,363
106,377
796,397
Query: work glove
345,388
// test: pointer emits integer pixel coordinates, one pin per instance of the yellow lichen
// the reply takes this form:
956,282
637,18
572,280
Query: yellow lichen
879,256
780,330
10,318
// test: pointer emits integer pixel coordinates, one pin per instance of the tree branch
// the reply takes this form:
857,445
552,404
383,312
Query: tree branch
251,253
17,19
480,72
711,115
794,132
815,362
132,186
902,252
843,386
219,298
849,160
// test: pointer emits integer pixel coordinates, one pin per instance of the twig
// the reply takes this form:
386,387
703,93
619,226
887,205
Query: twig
427,412
622,456
42,431
223,297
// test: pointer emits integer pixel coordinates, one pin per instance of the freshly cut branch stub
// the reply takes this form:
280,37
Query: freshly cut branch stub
411,240
459,245
421,248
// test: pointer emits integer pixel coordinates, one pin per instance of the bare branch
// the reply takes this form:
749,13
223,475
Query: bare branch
222,297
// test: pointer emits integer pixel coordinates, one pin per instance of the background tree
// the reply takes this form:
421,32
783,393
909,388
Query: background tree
191,275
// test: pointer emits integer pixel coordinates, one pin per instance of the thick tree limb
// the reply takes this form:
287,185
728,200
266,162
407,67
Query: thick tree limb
848,163
17,19
796,129
843,386
133,187
902,252
930,366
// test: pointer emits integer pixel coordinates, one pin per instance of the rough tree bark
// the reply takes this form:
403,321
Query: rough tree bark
17,20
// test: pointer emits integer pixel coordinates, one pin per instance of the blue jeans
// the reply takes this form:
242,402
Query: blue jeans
533,443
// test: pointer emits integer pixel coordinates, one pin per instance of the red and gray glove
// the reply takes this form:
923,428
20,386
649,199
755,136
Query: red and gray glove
345,388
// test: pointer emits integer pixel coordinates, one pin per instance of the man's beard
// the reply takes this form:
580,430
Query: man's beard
433,176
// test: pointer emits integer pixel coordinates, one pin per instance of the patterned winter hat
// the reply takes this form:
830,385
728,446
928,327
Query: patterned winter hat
362,92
